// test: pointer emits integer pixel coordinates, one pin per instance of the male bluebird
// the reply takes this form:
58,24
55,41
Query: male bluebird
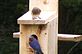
33,42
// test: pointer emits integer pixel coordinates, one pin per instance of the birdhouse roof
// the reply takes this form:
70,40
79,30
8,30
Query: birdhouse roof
44,15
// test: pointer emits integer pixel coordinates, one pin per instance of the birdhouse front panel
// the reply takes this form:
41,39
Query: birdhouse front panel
40,31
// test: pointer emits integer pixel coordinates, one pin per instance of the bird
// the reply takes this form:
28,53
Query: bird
34,44
35,13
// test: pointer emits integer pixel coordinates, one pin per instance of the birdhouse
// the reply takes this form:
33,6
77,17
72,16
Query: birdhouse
46,28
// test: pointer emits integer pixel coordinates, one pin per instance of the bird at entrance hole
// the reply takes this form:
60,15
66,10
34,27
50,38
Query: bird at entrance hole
34,44
35,13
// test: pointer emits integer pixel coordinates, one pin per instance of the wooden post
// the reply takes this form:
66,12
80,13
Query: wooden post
61,37
44,5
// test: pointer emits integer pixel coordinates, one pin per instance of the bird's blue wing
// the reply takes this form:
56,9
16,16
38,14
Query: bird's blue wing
35,45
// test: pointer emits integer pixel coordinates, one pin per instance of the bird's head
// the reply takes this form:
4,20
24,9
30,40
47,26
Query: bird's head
32,37
36,11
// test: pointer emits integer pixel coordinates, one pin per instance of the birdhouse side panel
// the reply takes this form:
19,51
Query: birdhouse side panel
52,36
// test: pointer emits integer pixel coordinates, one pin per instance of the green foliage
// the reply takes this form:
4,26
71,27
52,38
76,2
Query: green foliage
10,11
70,22
70,16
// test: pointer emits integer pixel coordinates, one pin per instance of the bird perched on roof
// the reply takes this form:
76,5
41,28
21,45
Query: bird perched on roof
33,42
35,13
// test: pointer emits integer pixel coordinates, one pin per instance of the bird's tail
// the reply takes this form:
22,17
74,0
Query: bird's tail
41,52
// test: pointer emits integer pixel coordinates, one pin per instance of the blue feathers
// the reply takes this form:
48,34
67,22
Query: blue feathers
33,42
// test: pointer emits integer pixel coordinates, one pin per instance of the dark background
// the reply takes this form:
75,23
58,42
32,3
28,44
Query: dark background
70,17
70,22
